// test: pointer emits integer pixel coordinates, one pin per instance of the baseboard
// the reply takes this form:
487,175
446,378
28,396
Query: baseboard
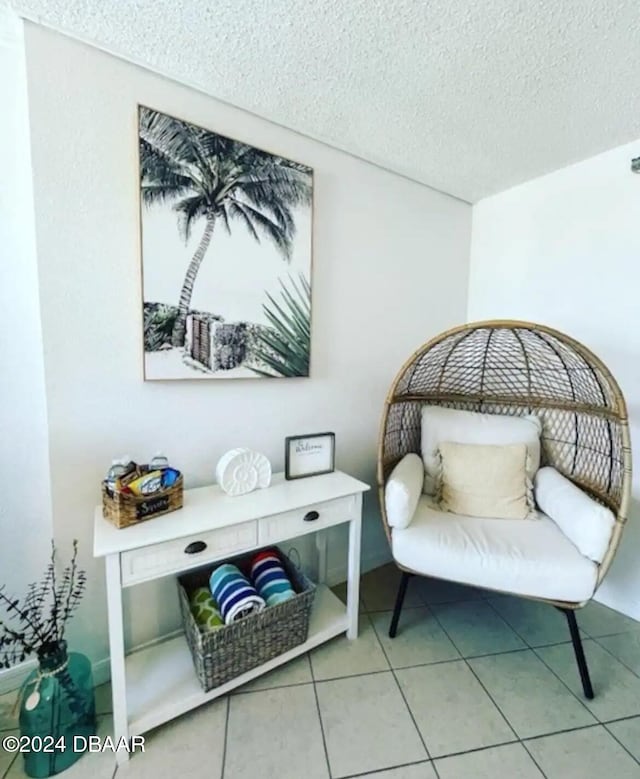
101,672
374,559
627,606
12,678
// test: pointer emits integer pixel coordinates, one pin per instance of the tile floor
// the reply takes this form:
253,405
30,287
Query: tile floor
475,685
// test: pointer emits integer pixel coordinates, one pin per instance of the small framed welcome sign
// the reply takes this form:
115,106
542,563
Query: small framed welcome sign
309,455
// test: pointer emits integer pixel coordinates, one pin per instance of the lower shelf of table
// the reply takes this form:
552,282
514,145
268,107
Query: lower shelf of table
162,683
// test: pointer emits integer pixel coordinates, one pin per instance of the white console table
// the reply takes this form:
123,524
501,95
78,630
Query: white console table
155,684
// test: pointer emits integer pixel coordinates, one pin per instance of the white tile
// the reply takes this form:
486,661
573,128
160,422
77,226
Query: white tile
511,761
441,591
419,639
539,624
415,771
104,703
591,753
6,758
367,725
342,657
340,591
97,765
627,731
598,620
626,647
297,671
530,696
378,589
476,629
8,718
616,688
451,709
191,746
275,734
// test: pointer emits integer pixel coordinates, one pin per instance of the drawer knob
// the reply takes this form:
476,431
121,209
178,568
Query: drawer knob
194,547
310,516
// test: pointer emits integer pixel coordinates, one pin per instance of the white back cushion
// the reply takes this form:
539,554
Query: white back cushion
583,520
471,427
402,490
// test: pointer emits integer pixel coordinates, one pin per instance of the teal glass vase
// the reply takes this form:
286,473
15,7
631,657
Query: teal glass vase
58,705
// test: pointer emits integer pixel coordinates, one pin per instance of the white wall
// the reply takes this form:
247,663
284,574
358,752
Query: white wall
390,270
564,250
25,499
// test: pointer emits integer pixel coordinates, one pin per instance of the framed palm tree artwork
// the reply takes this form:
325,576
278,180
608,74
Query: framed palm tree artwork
226,255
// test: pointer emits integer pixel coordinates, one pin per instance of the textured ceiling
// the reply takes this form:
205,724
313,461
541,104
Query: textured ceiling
468,97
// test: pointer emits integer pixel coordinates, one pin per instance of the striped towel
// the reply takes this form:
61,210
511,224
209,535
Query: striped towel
270,578
235,595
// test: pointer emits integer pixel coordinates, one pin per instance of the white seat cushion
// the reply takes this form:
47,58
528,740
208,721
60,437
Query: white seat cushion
522,556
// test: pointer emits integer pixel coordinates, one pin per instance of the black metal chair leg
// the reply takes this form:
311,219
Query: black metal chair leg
579,652
402,589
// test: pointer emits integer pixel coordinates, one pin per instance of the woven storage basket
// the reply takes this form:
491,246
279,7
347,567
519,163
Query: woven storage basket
124,509
221,655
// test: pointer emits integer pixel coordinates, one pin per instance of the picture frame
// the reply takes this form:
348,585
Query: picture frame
309,455
225,235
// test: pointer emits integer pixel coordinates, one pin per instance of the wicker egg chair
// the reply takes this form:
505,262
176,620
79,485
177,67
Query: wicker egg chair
519,368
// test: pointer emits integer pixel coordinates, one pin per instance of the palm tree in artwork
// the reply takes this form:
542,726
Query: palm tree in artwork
216,180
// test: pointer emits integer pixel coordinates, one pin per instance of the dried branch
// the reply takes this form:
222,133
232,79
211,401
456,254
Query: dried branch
54,605
43,614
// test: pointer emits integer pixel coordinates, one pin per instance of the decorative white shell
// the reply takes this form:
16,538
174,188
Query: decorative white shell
240,471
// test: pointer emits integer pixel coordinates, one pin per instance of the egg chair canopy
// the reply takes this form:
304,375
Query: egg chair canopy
511,367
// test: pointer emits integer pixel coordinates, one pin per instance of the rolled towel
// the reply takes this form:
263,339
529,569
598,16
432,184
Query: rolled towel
234,594
204,609
270,578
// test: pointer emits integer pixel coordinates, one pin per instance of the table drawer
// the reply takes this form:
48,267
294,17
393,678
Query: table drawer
296,523
150,562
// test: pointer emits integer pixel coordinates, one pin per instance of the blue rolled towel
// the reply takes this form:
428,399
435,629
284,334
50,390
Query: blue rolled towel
270,578
235,595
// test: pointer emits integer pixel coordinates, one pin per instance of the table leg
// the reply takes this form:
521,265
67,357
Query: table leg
116,651
321,548
353,579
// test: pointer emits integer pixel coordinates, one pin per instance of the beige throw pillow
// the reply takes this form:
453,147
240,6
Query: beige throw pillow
485,480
